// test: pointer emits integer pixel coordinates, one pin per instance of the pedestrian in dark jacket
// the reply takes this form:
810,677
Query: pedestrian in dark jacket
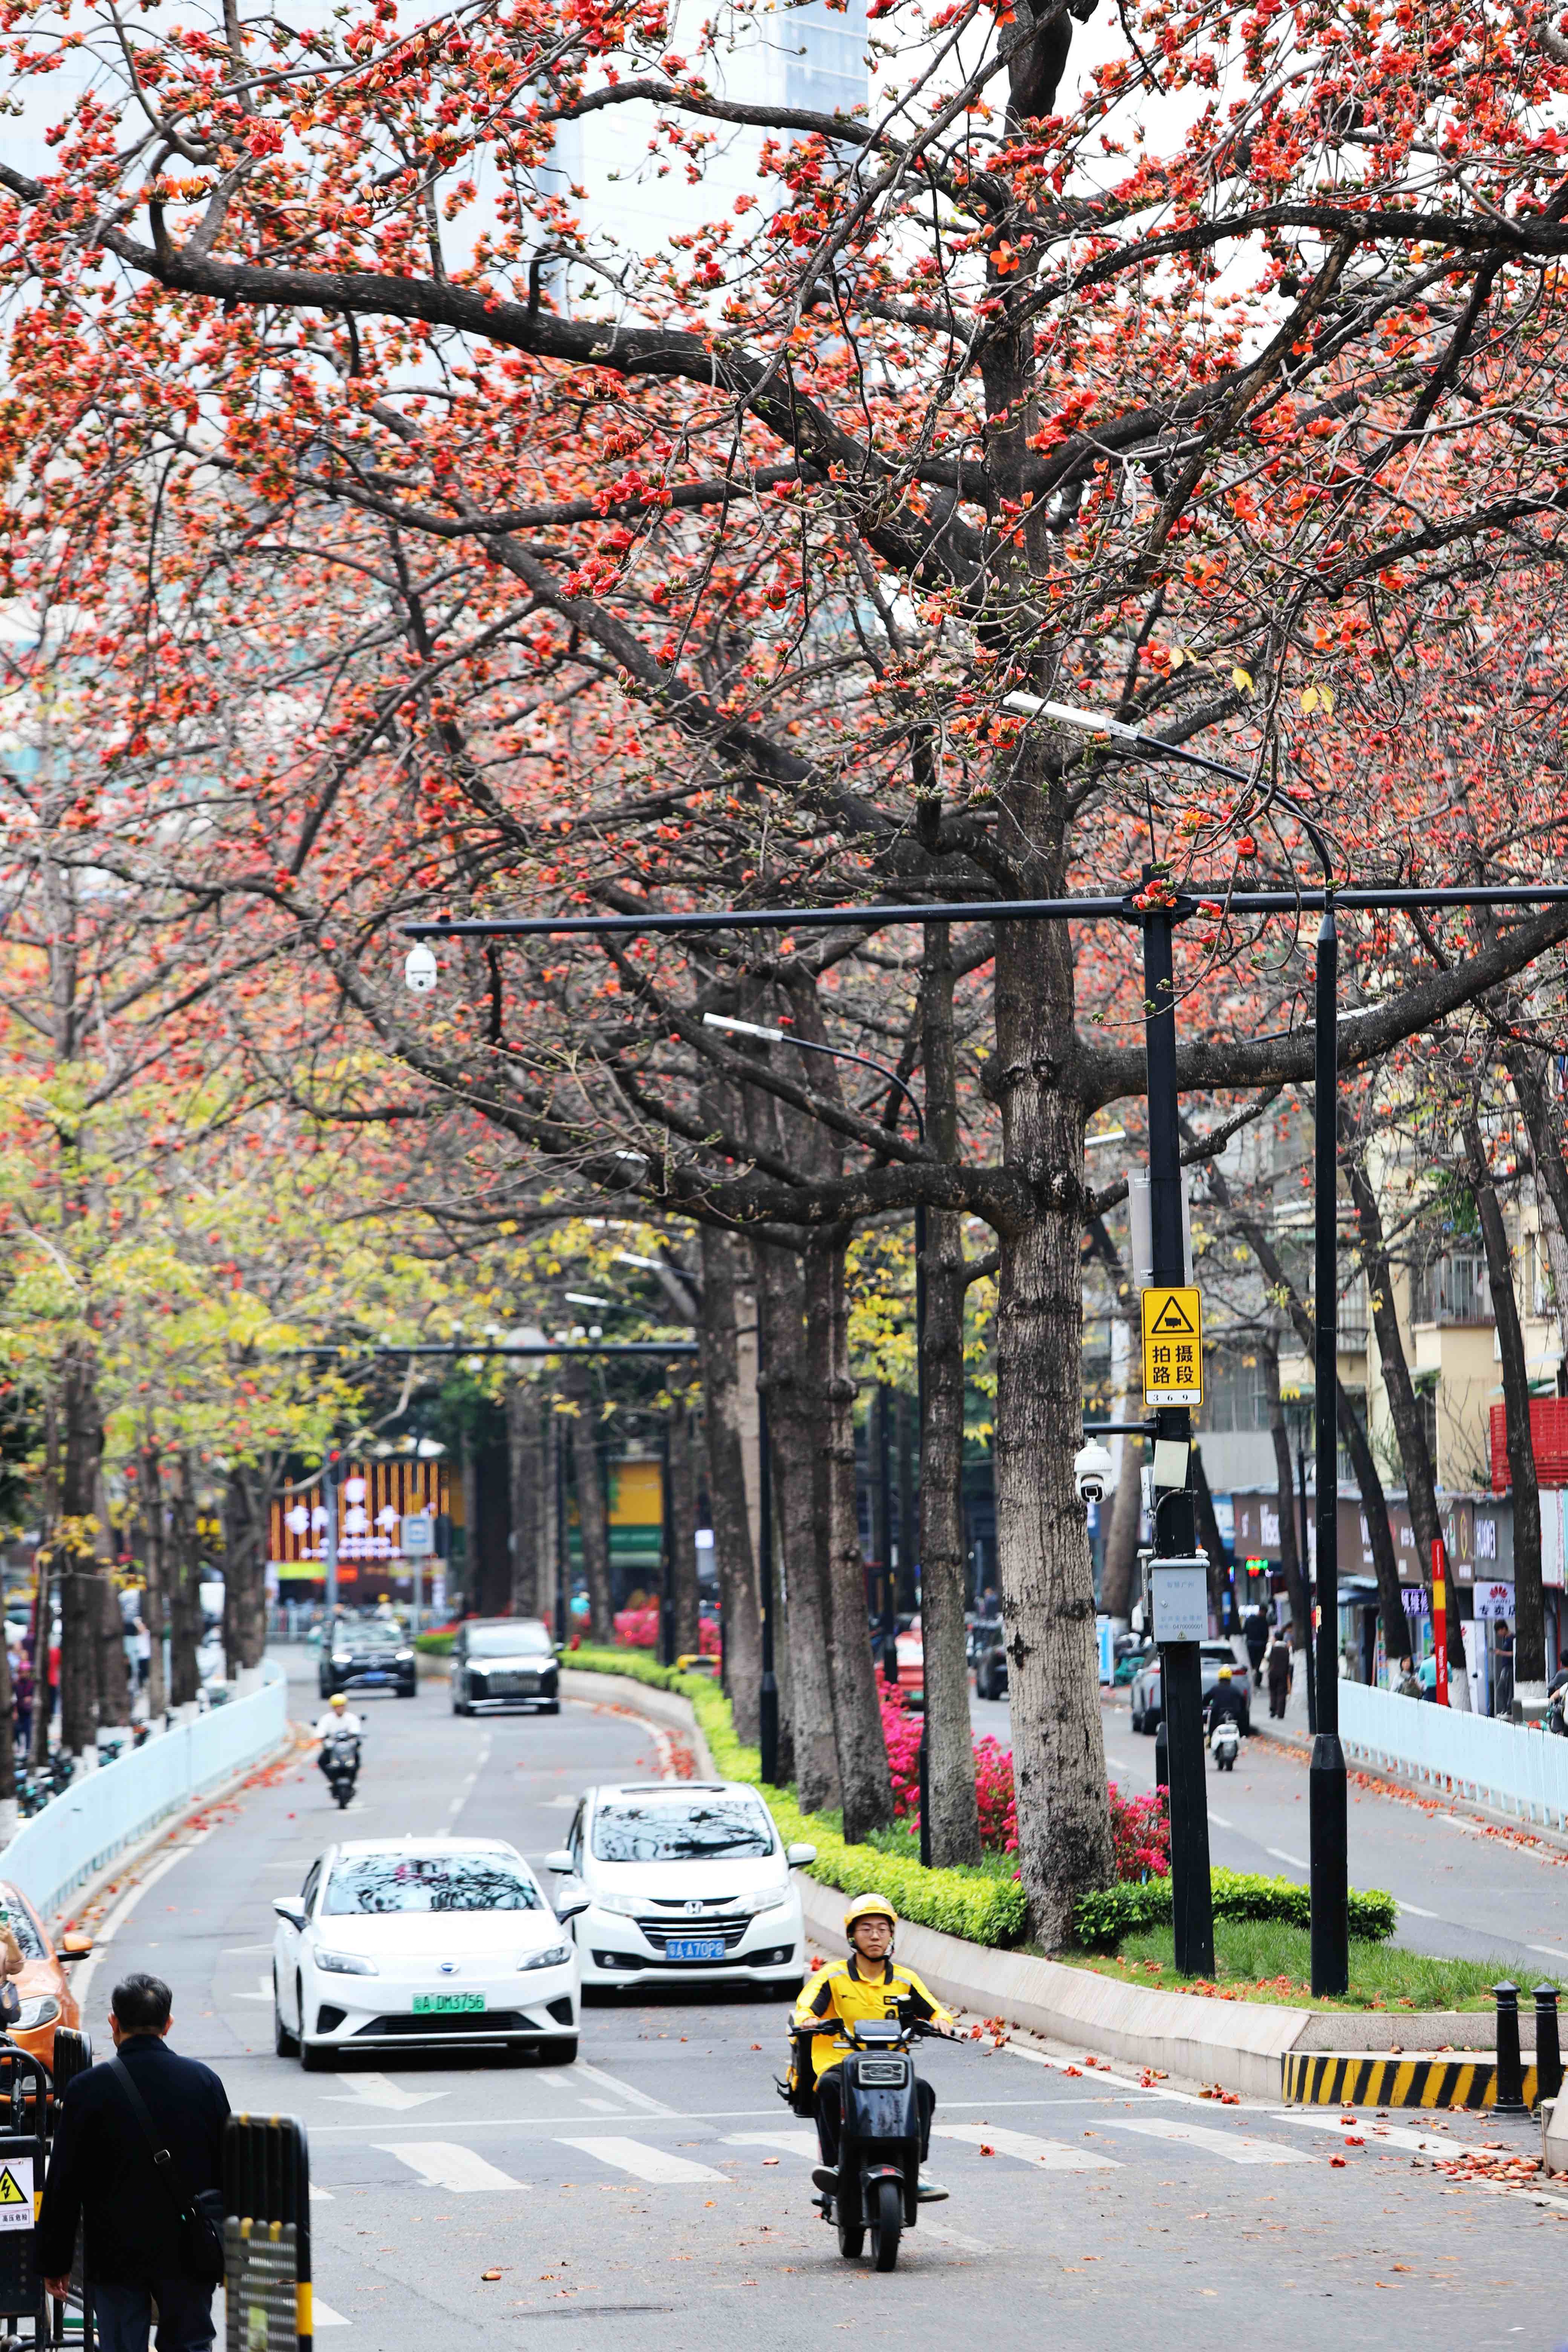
1280,1673
102,2174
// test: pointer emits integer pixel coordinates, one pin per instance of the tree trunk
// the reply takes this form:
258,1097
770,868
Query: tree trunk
865,1782
1551,1173
1404,1409
1380,1533
794,1408
43,1633
1047,1586
734,1556
1529,1620
906,1589
244,1569
1209,1536
1290,1559
527,1472
954,1814
154,1611
184,1593
7,1748
683,1528
81,1617
592,1519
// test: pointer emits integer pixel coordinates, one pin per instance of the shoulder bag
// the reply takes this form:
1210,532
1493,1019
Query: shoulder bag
201,2218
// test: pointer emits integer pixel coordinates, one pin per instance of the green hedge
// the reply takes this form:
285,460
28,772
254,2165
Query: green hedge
1100,1920
435,1645
974,1903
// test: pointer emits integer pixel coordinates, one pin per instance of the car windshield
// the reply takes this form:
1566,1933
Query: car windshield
367,1884
700,1829
508,1641
369,1637
22,1925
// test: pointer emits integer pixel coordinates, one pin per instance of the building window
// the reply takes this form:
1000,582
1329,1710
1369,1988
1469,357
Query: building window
1452,1288
1233,1393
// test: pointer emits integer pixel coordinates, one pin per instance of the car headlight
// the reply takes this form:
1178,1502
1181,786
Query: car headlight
39,2011
628,1906
555,1958
341,1658
403,1656
771,1898
346,1964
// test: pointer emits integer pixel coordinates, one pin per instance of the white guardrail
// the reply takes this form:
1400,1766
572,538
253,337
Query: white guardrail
100,1815
1503,1764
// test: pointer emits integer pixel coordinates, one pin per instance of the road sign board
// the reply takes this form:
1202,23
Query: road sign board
417,1536
1173,1347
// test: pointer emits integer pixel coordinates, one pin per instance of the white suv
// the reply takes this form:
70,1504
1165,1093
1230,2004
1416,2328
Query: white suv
685,1879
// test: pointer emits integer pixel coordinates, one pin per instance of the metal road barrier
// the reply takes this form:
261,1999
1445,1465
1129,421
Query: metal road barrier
267,2234
102,1812
1514,1769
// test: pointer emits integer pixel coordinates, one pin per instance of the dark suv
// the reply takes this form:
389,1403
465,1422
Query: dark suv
499,1662
368,1657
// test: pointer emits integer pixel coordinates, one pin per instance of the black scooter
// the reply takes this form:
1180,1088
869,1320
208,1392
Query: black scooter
339,1762
879,2145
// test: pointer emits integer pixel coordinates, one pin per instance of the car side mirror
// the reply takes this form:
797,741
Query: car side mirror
797,1856
73,1947
560,1862
289,1908
567,1906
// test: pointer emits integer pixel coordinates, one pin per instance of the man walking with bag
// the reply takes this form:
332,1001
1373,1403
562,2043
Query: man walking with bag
137,2157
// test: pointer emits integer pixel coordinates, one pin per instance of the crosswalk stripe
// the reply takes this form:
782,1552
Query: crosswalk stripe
1377,2134
443,2164
1051,2155
1234,2146
323,2315
647,2163
791,2143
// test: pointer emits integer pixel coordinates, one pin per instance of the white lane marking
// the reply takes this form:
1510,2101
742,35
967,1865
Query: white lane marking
646,2163
375,2091
793,2143
1552,1951
1234,2146
323,2315
601,2107
1414,1909
1386,2134
264,1994
243,1951
320,2196
1220,1820
956,2238
1051,2155
1294,1860
1117,1763
444,2163
622,2090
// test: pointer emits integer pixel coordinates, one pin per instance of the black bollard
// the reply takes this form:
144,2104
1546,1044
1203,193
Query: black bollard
1548,2049
1162,1759
1510,2098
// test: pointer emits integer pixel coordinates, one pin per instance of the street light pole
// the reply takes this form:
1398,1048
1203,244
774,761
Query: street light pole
1328,1801
768,1693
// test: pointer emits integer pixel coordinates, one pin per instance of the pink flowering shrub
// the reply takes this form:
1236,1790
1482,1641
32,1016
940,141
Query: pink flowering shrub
1140,1834
637,1629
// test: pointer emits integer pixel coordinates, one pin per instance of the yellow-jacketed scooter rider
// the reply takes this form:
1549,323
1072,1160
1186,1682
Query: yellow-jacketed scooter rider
869,1983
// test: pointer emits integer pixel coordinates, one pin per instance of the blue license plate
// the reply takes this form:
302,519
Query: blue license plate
375,1678
695,1948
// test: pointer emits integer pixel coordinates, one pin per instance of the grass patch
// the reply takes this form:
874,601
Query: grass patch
1269,1960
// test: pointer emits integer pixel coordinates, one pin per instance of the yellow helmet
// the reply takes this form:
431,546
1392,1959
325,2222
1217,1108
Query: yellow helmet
1225,1674
869,1906
337,1700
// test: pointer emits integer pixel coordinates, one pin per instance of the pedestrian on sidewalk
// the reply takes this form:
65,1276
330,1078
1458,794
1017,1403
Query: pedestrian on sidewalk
1281,1672
1503,1686
142,2220
1256,1640
1409,1683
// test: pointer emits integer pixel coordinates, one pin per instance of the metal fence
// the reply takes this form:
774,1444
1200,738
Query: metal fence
1514,1769
102,1812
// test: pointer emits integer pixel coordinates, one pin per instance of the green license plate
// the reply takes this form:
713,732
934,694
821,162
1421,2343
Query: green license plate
425,2003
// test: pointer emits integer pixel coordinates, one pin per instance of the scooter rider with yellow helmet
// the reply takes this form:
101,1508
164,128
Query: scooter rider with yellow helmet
869,1983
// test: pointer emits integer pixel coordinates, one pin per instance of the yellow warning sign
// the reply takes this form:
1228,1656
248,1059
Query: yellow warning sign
17,2193
1173,1347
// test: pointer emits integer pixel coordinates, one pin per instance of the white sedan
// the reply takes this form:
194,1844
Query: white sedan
409,1942
684,1879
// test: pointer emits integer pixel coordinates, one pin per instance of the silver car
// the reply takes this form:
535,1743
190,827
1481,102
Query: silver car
1147,1694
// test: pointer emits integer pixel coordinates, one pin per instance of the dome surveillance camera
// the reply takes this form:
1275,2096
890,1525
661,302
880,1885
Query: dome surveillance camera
420,971
1091,1469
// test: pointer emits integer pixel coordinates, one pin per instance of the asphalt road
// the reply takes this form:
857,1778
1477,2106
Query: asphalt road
1464,1887
657,2194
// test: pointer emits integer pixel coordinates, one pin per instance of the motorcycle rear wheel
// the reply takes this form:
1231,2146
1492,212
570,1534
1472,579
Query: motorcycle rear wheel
887,2224
851,2242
